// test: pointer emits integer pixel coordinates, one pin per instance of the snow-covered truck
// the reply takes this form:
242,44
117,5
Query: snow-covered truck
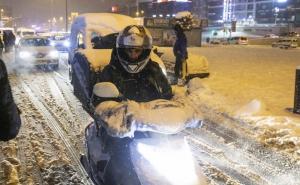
92,38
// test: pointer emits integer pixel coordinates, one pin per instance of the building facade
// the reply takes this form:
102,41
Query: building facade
6,19
250,12
294,12
164,8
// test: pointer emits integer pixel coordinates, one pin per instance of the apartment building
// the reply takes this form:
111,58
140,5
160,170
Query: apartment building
164,8
249,11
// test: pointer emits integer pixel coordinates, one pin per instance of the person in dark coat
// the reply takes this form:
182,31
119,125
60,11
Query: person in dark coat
181,54
5,41
1,47
10,121
9,40
135,75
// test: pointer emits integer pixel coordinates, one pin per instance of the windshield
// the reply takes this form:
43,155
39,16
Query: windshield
28,33
35,42
106,42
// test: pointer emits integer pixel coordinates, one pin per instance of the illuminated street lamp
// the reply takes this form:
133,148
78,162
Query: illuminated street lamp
276,10
1,15
141,13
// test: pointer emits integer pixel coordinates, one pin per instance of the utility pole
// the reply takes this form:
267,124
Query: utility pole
137,8
67,22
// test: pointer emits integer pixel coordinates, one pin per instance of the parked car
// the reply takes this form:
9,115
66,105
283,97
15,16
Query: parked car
238,40
36,51
223,41
290,34
215,41
60,41
286,43
271,35
197,65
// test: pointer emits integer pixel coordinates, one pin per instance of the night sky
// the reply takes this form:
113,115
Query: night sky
40,11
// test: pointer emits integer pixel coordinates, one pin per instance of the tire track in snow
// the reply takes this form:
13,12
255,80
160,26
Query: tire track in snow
55,126
218,147
38,157
48,92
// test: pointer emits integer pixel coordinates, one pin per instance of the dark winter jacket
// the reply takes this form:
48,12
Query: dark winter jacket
9,38
147,85
180,46
10,121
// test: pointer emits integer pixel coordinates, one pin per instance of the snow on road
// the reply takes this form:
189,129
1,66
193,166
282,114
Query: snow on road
247,136
247,93
50,142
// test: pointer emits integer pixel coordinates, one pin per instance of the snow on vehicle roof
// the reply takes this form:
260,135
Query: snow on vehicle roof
25,29
98,59
182,14
104,23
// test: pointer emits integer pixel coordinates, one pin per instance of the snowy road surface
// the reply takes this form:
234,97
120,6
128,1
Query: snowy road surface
229,149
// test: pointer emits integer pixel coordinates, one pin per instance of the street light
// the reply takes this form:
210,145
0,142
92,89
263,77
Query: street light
1,15
276,10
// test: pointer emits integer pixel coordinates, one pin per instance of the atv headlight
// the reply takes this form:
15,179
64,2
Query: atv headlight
175,163
25,54
53,54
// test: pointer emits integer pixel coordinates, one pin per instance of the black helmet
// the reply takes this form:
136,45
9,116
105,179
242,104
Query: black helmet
134,37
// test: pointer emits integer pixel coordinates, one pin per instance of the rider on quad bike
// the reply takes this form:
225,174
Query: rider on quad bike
137,78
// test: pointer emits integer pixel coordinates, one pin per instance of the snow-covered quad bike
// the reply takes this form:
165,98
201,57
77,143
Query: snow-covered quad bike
131,144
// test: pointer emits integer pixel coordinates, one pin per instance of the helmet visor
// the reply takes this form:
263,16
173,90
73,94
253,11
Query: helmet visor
133,55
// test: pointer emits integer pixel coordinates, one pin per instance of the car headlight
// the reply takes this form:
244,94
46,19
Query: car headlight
17,41
175,163
54,54
52,43
66,43
25,54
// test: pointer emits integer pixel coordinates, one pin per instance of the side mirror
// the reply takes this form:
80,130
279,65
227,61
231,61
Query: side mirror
106,90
